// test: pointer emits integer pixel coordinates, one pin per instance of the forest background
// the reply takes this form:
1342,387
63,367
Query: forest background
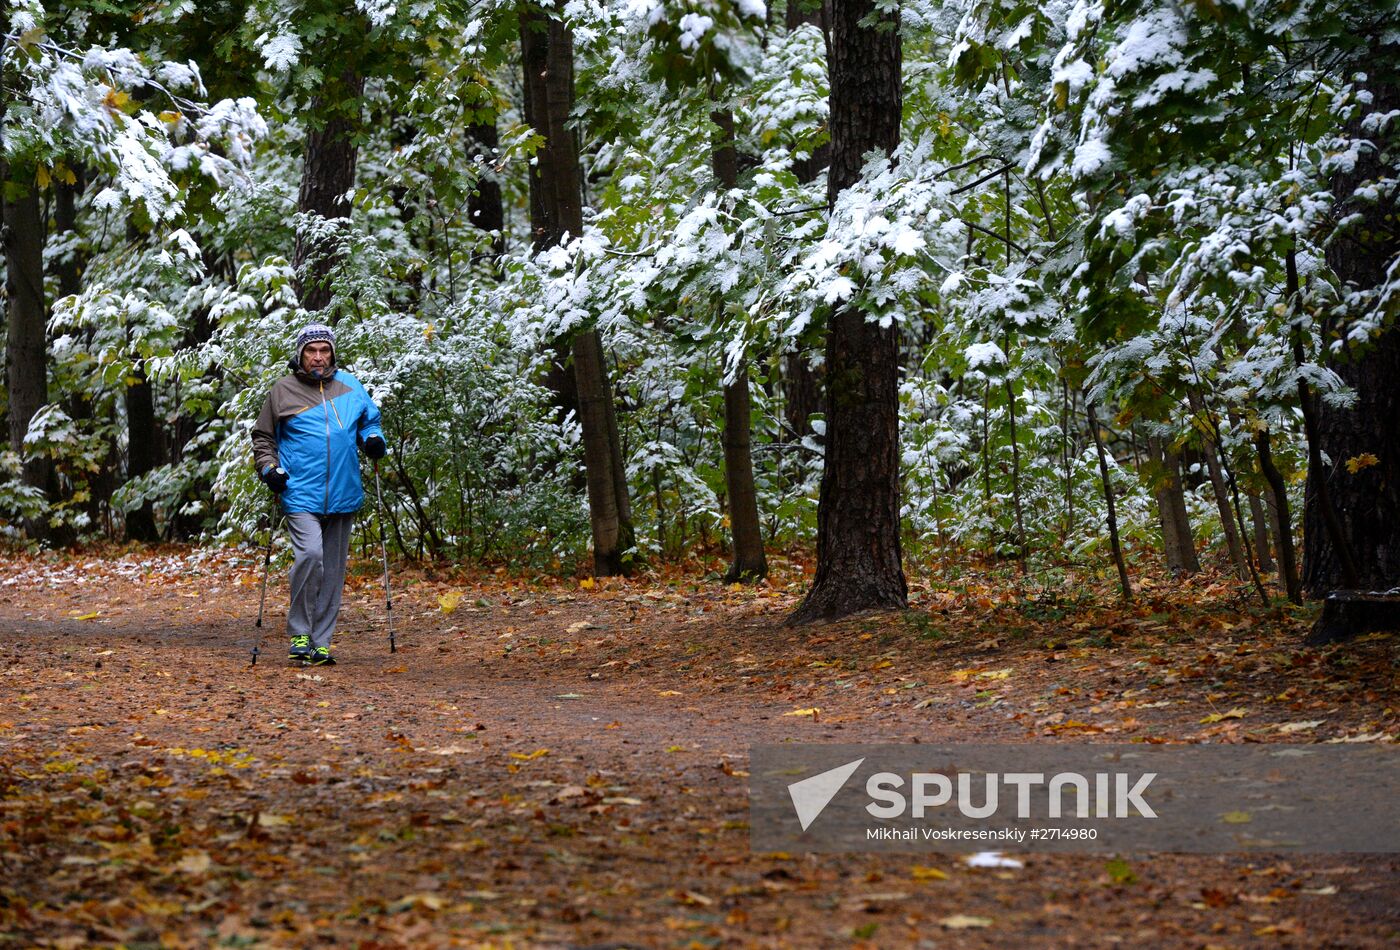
1121,278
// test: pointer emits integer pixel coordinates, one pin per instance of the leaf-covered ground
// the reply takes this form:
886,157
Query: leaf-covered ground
550,764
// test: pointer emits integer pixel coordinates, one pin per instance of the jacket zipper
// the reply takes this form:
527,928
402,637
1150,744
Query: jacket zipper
326,505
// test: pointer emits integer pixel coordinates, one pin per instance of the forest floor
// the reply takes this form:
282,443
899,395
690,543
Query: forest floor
563,764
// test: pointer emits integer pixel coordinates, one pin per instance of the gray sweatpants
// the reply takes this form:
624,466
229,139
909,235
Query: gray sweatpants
321,545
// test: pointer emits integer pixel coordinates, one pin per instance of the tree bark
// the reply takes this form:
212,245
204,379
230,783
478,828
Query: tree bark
142,451
1282,518
859,558
26,342
1220,488
1259,524
1367,500
748,563
1112,507
556,210
327,173
485,208
1171,508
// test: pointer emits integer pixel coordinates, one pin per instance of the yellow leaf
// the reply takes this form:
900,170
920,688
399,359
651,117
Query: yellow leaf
529,756
89,616
448,602
268,820
41,175
1237,818
169,118
1235,713
1364,460
813,711
116,100
668,692
920,873
883,665
587,583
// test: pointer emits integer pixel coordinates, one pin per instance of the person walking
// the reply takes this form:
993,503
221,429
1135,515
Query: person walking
305,445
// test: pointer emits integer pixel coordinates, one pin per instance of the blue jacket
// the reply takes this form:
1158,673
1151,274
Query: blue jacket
313,428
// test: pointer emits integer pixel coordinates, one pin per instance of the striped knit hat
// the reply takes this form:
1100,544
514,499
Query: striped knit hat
314,333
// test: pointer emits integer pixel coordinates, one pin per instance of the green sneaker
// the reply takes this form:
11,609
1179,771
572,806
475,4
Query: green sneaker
301,650
321,656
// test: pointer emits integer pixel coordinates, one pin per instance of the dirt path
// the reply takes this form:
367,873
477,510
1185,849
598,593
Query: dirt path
542,765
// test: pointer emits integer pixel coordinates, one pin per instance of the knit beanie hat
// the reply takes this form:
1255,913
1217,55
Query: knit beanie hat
314,333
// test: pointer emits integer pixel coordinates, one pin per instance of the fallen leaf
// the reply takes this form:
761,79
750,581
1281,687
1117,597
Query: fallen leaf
448,602
529,756
1290,727
1237,817
920,873
194,862
1235,713
964,922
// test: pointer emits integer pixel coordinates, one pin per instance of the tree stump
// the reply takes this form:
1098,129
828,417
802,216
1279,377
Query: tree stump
1350,613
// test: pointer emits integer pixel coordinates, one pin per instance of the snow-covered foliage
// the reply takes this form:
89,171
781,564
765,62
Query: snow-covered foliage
1093,203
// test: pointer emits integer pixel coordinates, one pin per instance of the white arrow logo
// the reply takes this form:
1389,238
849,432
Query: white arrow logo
811,795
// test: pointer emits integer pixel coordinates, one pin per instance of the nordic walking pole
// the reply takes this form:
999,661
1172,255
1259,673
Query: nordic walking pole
262,600
384,553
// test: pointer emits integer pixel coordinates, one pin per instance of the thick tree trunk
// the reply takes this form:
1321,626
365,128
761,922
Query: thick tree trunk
142,451
485,208
1362,440
859,559
1171,508
749,563
556,210
549,201
26,344
327,173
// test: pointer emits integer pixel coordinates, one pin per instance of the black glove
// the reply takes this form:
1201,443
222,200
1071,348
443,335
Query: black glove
375,447
276,479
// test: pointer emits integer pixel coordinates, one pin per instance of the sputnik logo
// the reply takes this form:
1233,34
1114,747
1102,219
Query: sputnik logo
811,795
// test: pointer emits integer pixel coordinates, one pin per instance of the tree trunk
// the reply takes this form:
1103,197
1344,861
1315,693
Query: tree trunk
556,210
1220,488
1259,524
485,208
1365,436
1114,543
801,394
1282,518
749,562
1171,508
142,451
859,560
807,169
327,173
26,343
